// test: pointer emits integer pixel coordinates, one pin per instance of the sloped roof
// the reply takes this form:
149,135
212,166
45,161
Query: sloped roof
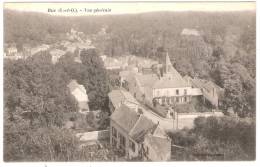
115,97
125,117
147,80
57,52
119,96
129,97
210,85
159,132
162,146
172,78
74,85
141,128
170,82
201,83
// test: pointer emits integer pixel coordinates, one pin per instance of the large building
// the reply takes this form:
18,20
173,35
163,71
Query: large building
164,85
136,136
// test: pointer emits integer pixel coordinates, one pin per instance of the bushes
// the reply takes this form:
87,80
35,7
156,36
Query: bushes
239,132
222,138
183,138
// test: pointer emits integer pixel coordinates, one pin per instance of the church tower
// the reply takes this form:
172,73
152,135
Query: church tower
168,64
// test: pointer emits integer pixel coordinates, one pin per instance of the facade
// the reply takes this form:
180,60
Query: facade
165,86
131,133
56,55
40,48
11,51
79,92
192,32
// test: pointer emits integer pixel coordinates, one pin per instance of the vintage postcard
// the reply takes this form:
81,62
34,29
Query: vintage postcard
129,81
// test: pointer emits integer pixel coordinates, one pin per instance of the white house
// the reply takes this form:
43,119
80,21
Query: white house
80,94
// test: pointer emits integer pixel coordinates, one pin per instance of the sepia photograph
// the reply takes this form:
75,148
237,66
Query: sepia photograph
129,81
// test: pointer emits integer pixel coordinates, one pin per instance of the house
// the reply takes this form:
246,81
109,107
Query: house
56,54
26,50
80,94
190,32
210,91
136,136
112,63
40,48
119,97
11,51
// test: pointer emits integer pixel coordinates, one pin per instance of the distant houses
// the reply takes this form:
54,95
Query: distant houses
80,94
56,54
136,136
39,48
190,32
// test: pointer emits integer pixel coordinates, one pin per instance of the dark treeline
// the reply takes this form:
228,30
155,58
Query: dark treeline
224,53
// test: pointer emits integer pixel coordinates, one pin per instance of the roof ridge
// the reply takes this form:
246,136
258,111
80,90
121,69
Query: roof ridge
135,124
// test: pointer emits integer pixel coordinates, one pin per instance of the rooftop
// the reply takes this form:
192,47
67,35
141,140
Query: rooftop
187,31
125,117
120,96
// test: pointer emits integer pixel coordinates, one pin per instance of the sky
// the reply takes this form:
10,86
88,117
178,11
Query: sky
93,8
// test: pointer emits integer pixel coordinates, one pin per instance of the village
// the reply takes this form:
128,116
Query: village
152,99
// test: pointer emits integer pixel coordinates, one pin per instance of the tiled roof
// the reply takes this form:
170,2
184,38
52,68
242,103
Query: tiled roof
141,128
201,83
125,117
174,81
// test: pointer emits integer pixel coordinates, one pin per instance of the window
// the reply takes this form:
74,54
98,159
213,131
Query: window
147,150
185,99
177,99
167,92
132,145
167,100
114,132
113,141
177,91
185,91
163,100
122,141
158,93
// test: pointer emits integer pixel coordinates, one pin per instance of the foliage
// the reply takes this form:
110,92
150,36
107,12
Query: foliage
38,90
223,138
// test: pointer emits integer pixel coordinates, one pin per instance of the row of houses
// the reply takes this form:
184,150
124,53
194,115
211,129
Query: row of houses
163,85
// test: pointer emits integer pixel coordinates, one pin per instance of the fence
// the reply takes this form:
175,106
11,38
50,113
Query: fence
94,135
